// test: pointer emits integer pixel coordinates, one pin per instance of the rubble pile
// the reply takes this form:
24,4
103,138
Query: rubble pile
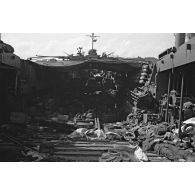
56,131
163,140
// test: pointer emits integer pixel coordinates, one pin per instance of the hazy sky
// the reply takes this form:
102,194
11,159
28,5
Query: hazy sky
122,44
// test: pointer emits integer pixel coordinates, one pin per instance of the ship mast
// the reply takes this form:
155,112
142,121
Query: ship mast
93,39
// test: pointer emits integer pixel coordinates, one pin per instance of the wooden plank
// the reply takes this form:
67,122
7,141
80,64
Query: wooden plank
76,158
81,153
83,148
93,144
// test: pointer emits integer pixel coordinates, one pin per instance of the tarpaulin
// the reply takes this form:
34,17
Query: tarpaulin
106,64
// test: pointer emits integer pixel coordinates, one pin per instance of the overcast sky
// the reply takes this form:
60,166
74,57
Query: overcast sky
122,44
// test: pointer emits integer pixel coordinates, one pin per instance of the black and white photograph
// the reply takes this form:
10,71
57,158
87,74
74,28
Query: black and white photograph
97,97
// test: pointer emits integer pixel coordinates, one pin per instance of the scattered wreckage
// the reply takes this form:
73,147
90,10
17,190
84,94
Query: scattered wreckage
59,137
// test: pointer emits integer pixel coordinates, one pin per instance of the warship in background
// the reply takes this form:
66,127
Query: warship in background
92,54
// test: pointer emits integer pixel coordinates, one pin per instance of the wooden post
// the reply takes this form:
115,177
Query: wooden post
95,123
181,105
98,123
168,94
